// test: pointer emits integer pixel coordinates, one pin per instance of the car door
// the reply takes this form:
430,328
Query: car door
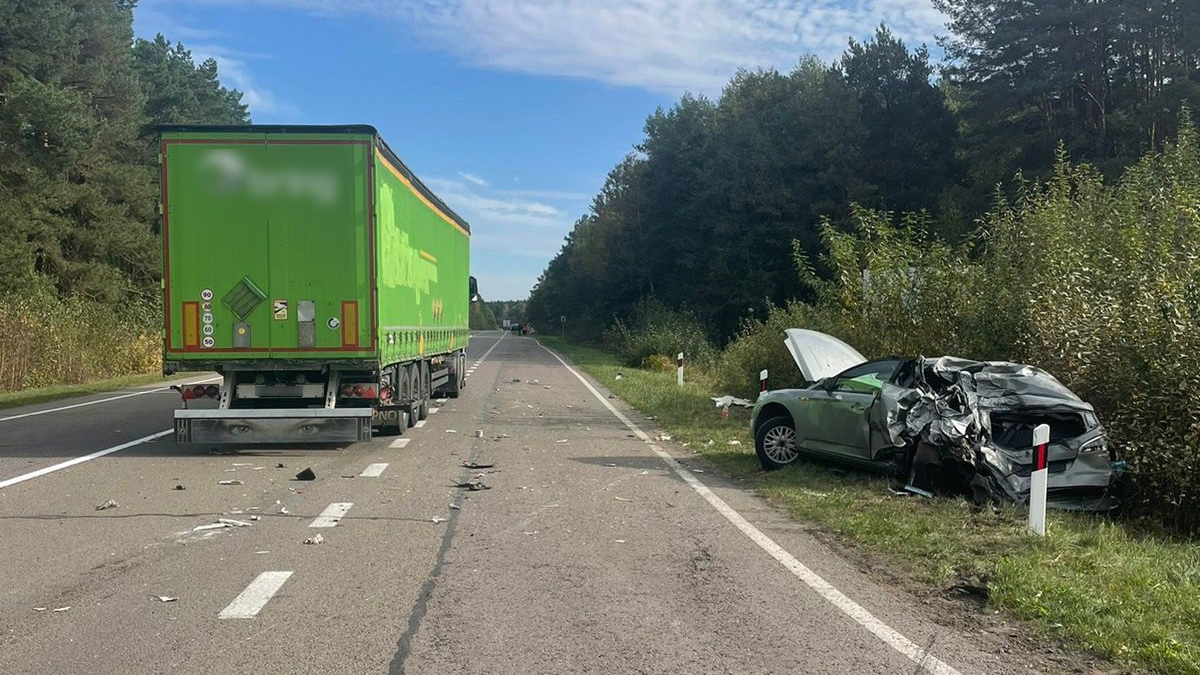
838,411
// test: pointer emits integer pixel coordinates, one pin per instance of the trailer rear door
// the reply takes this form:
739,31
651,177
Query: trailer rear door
268,245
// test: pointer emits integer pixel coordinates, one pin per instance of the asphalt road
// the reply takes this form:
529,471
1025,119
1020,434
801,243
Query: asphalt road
589,554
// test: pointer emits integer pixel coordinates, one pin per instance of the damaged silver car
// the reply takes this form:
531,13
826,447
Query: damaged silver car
944,425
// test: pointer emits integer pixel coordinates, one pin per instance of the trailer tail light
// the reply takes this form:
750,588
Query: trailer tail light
349,323
212,391
385,395
359,391
198,391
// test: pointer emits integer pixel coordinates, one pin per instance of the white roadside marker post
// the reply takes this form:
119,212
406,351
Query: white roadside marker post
762,382
1039,480
679,369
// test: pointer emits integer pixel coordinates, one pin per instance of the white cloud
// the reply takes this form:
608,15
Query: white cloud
663,45
472,178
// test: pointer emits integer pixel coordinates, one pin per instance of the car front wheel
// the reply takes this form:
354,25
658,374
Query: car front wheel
775,443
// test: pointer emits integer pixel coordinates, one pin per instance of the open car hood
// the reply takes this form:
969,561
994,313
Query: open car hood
819,355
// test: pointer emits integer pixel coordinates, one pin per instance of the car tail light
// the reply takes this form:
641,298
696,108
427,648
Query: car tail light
369,391
212,391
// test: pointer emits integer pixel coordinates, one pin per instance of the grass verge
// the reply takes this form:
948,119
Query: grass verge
1110,587
36,395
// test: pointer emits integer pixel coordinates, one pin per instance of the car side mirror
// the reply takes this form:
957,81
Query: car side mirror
828,383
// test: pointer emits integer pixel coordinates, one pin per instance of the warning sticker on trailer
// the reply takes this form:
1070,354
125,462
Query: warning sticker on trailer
279,309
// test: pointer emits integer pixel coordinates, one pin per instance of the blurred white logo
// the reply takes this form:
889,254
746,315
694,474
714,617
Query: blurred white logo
231,172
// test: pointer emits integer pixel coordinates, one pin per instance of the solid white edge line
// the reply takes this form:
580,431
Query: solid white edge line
103,400
924,660
374,470
419,424
332,514
80,460
250,601
399,442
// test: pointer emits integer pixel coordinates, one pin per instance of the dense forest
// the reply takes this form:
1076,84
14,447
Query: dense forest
703,213
79,99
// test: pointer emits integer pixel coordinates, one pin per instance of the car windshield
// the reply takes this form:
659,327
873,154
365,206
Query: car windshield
867,378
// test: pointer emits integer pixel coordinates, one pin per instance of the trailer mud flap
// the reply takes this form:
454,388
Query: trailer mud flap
339,425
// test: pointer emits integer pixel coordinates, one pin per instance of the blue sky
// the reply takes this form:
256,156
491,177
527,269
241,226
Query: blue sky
512,111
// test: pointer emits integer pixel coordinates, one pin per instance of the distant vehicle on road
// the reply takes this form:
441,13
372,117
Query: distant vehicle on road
938,424
317,274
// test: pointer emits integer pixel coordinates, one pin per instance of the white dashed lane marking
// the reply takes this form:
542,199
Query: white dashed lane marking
374,470
250,602
400,442
332,514
433,410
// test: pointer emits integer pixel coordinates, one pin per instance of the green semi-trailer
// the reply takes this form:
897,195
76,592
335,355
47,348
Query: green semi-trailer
313,271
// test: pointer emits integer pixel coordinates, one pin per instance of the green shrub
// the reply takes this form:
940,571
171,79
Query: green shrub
46,340
654,329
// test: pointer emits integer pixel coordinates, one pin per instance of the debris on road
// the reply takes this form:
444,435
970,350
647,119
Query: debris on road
611,464
255,517
40,609
165,598
455,507
110,504
213,526
437,519
562,440
180,487
477,465
534,382
241,464
452,431
280,466
623,499
229,482
474,486
307,474
516,380
697,470
735,442
479,433
620,541
662,437
315,539
233,523
61,609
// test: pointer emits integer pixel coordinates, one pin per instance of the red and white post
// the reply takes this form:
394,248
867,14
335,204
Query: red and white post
762,381
679,369
1039,480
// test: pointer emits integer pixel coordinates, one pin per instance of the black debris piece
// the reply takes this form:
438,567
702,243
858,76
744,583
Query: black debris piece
306,474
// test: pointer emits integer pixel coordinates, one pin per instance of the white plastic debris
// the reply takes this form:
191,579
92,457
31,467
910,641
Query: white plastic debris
214,526
233,523
437,519
255,517
110,504
61,609
452,431
479,433
662,437
623,499
726,401
165,598
315,539
229,482
562,440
